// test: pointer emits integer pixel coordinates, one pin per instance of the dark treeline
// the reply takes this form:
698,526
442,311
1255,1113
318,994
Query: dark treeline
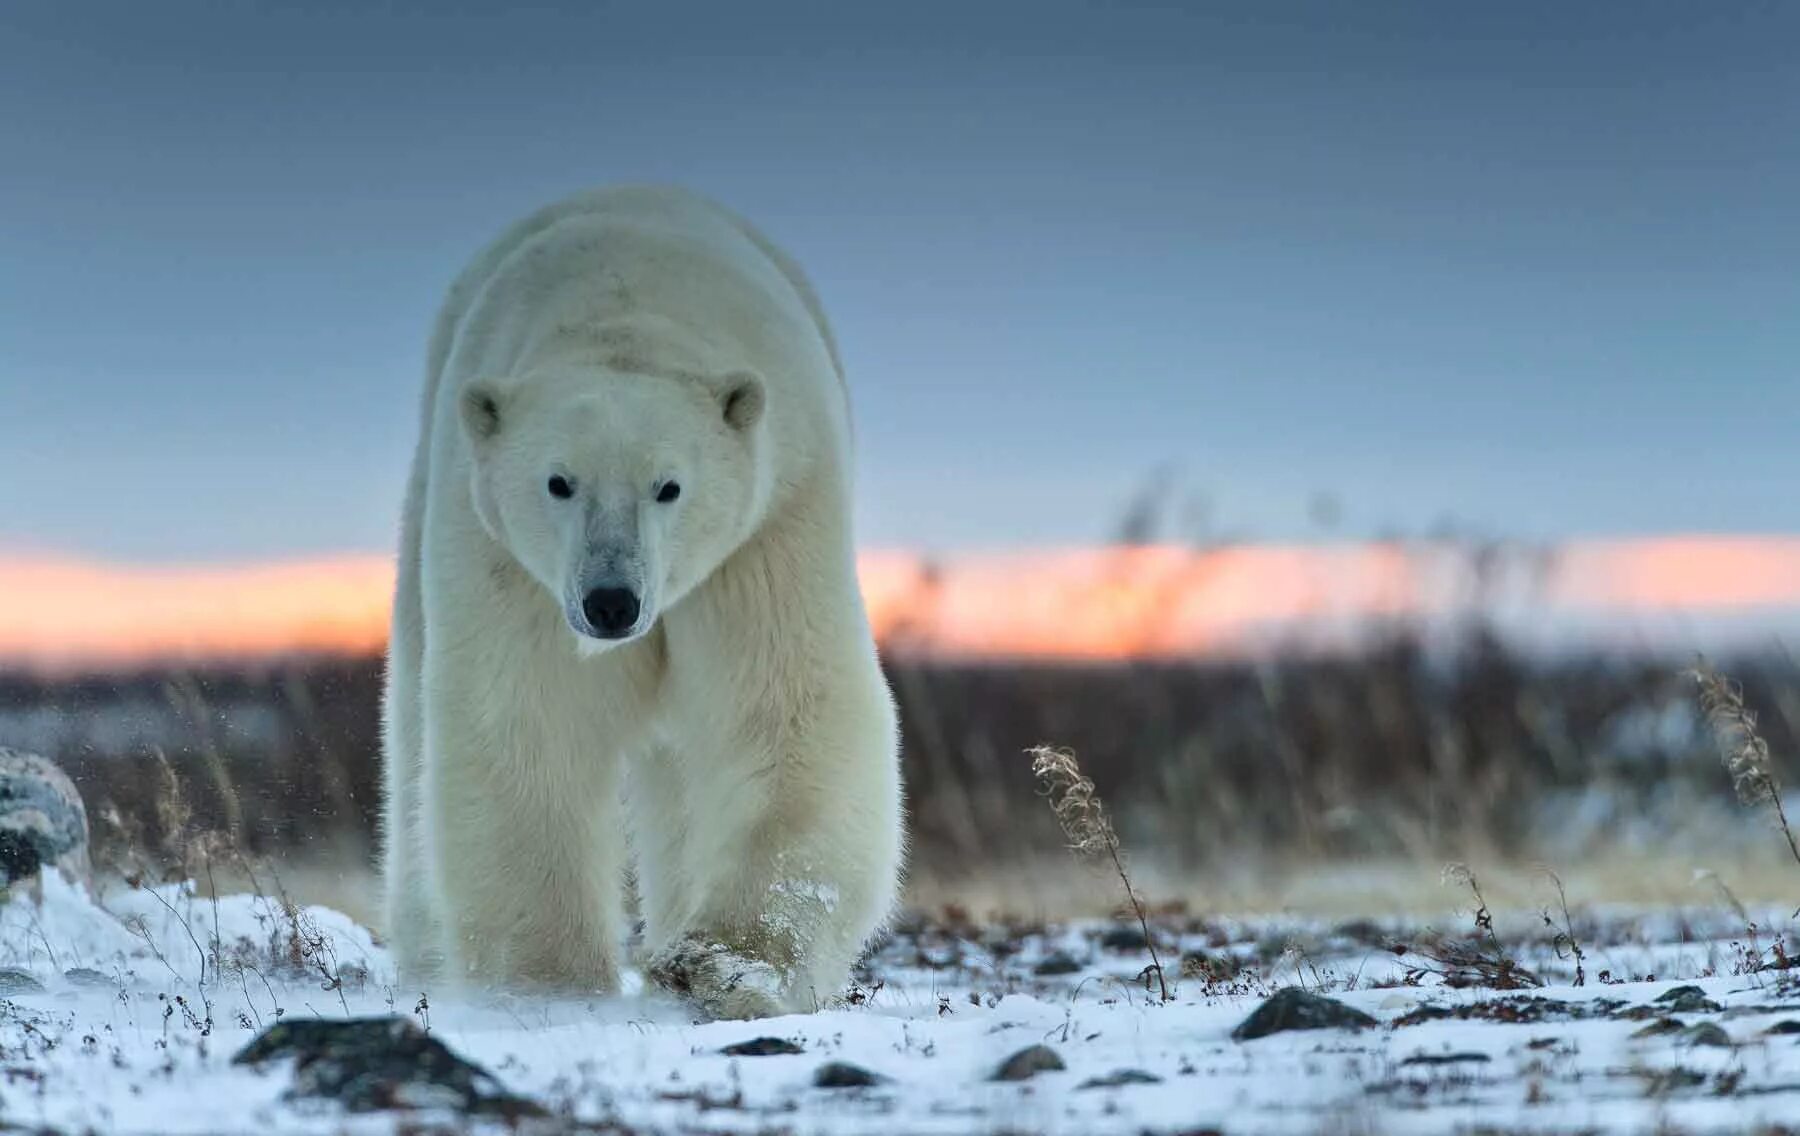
1389,751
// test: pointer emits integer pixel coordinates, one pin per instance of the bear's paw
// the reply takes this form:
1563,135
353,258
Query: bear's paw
721,982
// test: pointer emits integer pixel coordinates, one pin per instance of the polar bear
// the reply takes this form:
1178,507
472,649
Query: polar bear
627,620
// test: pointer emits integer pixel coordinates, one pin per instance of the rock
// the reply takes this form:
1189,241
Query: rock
1648,1012
14,982
1788,1025
1296,1009
843,1075
42,819
762,1047
373,1064
1659,1028
1028,1063
1675,992
1124,938
86,976
1706,1033
1119,1078
1686,1000
1365,932
1447,1058
1060,962
1751,1010
1664,1082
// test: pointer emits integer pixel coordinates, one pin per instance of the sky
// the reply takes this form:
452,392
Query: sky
1526,269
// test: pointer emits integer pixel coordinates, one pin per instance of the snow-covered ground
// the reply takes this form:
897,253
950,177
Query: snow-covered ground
141,1005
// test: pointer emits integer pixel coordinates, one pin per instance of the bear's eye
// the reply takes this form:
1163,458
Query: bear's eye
559,487
669,491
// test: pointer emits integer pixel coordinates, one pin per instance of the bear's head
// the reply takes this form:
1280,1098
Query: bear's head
617,493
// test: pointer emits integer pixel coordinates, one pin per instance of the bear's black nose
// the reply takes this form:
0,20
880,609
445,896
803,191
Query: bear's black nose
611,611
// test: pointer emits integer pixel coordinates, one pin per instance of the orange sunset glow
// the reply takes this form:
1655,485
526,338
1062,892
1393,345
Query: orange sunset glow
60,613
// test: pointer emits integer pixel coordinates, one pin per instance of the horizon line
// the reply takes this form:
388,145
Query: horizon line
62,612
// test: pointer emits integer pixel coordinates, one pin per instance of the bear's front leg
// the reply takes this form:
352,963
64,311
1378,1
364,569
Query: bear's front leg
766,915
527,862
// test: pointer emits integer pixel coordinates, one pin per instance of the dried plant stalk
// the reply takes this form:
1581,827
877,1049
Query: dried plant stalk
1089,830
1741,747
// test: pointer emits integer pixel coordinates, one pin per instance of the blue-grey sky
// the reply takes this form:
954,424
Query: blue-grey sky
1531,267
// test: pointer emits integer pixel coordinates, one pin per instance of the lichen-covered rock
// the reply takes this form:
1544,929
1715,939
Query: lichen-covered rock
1028,1063
373,1064
42,819
1295,1009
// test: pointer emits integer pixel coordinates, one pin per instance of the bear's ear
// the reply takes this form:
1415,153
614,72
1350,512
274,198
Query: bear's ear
741,395
481,404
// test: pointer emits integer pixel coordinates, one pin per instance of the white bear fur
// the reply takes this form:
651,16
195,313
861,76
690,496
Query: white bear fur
744,737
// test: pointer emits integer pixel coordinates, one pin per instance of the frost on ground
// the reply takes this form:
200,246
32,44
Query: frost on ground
125,1018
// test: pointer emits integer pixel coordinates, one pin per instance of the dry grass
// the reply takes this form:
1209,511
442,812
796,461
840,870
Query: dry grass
1563,938
1741,746
1336,785
1481,959
1084,822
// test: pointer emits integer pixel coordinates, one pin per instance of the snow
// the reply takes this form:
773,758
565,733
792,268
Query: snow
117,1040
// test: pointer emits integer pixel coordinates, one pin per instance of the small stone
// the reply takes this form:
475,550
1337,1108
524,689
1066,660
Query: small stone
1706,1033
1659,1028
762,1047
1060,962
86,976
1447,1058
1028,1063
1295,1009
18,982
843,1075
1119,1078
